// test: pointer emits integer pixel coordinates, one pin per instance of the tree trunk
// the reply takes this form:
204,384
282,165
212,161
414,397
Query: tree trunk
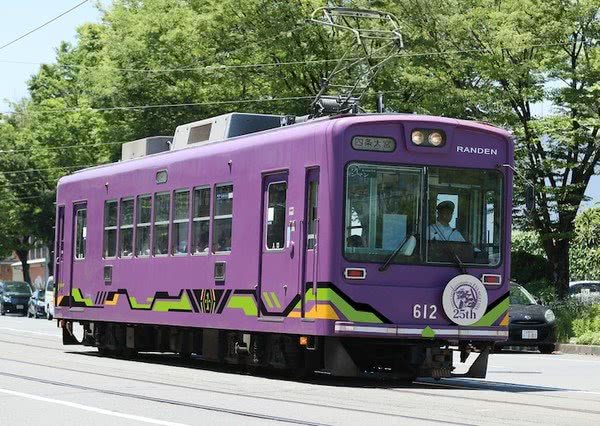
23,256
559,260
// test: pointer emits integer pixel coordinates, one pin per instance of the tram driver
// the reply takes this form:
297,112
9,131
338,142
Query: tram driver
441,229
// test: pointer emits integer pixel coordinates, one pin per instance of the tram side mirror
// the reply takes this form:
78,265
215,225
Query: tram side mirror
530,198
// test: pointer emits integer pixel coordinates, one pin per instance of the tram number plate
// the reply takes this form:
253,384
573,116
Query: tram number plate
20,306
529,334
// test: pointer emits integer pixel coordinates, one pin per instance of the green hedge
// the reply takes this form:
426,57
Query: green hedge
586,326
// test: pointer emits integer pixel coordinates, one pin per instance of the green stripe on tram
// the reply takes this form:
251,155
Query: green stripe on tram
183,304
78,297
329,295
488,319
245,303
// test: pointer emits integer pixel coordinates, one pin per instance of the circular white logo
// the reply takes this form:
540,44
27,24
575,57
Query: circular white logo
465,299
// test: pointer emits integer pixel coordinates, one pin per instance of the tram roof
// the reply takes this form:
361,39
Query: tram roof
157,160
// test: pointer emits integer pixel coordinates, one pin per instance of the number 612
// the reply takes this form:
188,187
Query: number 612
424,311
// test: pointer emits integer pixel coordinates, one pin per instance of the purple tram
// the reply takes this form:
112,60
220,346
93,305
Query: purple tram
373,244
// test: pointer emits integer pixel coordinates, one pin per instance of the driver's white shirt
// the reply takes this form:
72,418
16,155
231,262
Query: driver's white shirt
439,232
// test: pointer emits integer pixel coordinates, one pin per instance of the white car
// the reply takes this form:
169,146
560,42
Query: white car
49,298
585,291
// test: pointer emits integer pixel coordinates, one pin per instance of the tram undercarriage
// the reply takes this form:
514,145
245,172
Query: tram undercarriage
297,355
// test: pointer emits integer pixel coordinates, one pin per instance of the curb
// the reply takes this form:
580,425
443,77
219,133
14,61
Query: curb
567,348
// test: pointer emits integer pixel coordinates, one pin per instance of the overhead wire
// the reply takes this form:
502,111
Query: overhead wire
144,107
43,25
158,106
51,168
282,63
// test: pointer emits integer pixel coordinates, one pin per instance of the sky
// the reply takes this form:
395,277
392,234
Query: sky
16,18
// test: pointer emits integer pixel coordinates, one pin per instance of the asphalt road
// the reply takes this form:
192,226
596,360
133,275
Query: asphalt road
43,382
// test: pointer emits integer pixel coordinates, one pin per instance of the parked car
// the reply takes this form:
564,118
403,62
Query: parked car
14,297
530,324
37,305
585,291
50,297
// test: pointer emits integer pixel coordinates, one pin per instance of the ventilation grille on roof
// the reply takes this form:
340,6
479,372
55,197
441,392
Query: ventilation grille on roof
199,133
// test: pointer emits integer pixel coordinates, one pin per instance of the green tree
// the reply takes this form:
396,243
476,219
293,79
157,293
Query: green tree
510,55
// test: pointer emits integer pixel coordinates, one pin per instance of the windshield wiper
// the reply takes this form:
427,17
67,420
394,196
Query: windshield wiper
387,262
458,262
453,255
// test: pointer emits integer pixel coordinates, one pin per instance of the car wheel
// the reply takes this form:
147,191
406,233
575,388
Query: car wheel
49,317
2,312
28,314
547,349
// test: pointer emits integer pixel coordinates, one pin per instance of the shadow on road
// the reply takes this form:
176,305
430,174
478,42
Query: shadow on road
195,363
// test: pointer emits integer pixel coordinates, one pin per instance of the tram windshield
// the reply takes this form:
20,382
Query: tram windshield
418,215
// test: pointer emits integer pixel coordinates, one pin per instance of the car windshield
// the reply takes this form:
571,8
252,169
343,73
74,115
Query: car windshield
384,211
16,287
520,296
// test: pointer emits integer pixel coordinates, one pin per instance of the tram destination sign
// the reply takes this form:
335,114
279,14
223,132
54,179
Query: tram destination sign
373,143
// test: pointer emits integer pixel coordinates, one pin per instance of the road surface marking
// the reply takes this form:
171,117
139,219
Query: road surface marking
32,332
92,409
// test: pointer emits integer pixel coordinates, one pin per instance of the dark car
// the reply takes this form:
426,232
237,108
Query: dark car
531,324
37,304
14,297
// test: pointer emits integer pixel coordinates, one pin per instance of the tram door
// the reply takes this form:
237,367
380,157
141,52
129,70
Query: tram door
310,230
277,272
78,245
59,249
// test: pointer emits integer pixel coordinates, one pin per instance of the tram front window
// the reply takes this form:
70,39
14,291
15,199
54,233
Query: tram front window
461,223
382,212
464,216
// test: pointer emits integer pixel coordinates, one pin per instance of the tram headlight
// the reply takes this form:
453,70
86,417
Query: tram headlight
418,137
436,138
433,138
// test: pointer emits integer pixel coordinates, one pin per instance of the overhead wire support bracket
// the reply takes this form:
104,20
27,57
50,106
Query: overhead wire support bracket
376,35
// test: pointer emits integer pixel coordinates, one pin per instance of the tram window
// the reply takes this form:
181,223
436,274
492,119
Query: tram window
276,215
382,213
312,214
464,216
110,228
81,233
181,212
126,228
162,206
223,218
201,220
142,233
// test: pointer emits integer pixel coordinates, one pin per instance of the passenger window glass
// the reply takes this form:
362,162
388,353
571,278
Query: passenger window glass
223,218
181,214
110,228
126,228
201,221
81,233
313,187
276,215
161,223
142,235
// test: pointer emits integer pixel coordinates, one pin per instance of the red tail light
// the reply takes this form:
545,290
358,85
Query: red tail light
491,279
355,273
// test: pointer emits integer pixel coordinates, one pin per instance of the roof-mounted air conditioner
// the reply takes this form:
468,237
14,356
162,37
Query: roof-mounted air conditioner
222,127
